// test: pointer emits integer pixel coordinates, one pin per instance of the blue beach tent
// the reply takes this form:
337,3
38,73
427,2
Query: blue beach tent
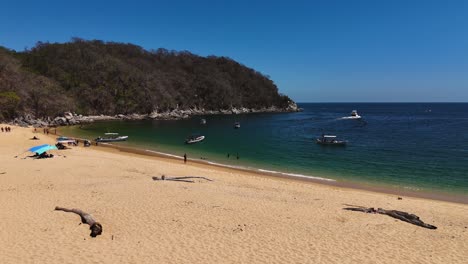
42,148
33,149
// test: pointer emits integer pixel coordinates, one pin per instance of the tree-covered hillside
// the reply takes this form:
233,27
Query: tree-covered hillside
96,77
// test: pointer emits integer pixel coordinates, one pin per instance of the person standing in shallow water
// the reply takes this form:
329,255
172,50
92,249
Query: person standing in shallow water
185,157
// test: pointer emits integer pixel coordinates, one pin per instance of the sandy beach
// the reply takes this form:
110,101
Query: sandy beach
239,217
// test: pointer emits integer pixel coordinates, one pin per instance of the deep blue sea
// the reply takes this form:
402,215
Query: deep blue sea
411,146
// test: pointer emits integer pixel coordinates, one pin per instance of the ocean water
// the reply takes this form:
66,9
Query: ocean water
411,146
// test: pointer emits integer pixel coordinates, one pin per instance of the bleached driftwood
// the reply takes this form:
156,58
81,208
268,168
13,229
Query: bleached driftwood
181,179
403,216
95,227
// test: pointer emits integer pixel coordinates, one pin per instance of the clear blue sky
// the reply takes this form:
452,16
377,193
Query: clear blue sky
315,51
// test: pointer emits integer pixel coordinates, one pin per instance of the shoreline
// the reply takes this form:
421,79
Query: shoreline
71,119
438,196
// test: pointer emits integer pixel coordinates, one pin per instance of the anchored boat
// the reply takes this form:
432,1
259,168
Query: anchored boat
111,137
330,140
194,139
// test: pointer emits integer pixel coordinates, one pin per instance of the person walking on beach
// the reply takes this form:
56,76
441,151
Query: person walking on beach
2,129
185,157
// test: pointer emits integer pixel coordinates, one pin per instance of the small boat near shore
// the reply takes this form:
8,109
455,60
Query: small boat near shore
111,137
236,125
61,138
194,139
354,115
202,121
330,140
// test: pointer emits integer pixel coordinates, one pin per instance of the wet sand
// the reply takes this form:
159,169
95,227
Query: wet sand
447,197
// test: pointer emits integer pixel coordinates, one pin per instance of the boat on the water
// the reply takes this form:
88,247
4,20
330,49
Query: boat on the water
194,139
203,121
354,115
111,137
330,140
236,125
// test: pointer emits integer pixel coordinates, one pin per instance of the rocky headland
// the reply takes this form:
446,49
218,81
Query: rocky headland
70,118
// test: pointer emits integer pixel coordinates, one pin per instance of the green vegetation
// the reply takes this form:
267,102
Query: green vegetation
96,77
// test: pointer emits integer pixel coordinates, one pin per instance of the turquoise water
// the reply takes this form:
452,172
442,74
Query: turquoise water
418,147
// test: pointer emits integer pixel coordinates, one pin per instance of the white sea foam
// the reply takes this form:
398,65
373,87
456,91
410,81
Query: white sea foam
224,165
412,188
247,168
298,175
269,171
164,154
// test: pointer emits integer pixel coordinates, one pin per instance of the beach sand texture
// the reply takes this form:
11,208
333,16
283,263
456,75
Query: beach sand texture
240,217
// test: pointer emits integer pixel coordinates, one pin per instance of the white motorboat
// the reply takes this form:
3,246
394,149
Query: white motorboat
354,115
203,121
236,125
111,137
66,141
194,139
330,140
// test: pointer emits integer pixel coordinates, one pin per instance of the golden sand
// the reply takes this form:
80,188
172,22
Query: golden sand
240,217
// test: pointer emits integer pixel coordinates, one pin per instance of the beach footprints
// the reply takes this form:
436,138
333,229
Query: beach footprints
240,228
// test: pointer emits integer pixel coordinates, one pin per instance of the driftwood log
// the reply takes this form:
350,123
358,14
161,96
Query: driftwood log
403,216
95,227
181,179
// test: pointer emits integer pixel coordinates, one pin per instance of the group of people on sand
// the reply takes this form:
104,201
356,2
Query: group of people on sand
46,130
43,155
6,129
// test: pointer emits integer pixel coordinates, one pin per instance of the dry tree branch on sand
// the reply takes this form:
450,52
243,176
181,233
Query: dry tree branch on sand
403,216
181,179
95,227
